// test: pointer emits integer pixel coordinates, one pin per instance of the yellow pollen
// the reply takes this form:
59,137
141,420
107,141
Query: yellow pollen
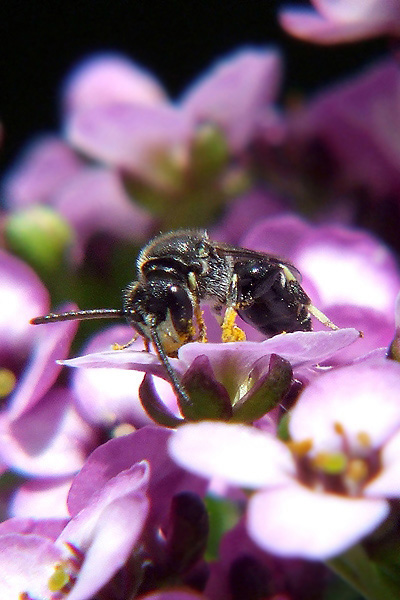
7,382
230,331
339,429
300,448
59,579
332,463
357,470
363,439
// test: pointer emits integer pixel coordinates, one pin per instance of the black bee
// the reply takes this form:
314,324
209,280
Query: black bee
177,271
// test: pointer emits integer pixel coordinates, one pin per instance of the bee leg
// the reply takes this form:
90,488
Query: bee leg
117,346
321,317
198,313
230,331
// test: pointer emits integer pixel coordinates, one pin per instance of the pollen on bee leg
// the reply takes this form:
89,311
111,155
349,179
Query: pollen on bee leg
230,331
117,346
321,317
198,313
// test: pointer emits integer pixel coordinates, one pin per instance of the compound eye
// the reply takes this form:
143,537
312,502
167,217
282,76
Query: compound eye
180,307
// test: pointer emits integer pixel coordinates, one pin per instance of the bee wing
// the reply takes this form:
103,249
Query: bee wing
244,254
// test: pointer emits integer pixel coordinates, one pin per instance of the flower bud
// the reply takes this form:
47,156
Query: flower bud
40,236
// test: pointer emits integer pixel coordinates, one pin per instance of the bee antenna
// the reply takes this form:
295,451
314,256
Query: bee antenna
80,315
176,384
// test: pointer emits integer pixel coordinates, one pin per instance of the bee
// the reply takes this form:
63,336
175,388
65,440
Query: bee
178,271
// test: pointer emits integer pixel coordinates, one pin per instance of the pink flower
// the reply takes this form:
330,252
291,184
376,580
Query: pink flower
336,21
91,199
120,517
230,372
329,486
89,550
130,130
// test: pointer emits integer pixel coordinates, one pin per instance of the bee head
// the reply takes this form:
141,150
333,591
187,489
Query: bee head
164,305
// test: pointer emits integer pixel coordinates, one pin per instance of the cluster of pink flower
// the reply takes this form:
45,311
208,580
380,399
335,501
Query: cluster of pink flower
292,443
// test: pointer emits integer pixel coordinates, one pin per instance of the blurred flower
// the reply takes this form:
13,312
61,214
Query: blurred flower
22,297
90,549
122,496
93,120
91,199
42,434
329,486
336,21
173,156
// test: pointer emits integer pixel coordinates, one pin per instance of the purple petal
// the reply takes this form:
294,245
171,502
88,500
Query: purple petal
362,399
22,297
281,235
377,329
128,482
41,499
307,25
110,396
235,453
53,342
125,359
108,528
342,21
26,563
49,528
234,360
95,201
131,137
51,439
113,540
294,521
350,267
355,120
109,78
235,93
148,443
45,166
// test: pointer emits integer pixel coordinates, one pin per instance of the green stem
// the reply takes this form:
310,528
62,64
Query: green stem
363,575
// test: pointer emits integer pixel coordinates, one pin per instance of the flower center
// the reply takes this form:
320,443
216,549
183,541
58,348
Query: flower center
343,471
7,382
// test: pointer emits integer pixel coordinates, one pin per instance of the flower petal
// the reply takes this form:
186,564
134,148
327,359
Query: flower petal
51,439
53,343
387,481
26,563
235,93
235,453
131,137
361,399
109,78
294,521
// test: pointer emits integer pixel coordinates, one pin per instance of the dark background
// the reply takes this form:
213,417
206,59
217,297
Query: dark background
40,41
